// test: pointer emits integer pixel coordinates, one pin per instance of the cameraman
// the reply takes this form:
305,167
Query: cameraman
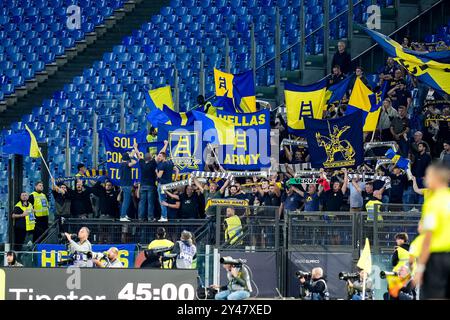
355,288
81,250
316,287
403,287
239,282
110,260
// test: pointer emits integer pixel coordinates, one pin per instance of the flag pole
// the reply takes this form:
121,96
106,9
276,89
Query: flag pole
215,156
364,286
46,166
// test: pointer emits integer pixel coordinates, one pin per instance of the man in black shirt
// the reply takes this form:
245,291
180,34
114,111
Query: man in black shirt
334,198
109,204
342,59
189,203
80,206
336,76
420,164
399,182
171,204
147,188
62,200
400,96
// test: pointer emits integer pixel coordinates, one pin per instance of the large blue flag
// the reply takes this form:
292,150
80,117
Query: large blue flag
23,142
118,143
185,147
251,150
336,143
433,73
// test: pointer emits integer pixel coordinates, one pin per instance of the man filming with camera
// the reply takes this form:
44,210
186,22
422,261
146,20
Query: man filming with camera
81,251
355,283
239,281
313,285
108,260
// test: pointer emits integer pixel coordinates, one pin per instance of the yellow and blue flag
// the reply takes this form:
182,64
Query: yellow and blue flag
362,98
303,102
23,142
335,143
397,159
160,97
222,131
238,88
337,91
167,116
433,73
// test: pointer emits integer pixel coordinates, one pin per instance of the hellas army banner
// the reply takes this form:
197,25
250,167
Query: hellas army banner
251,150
185,147
116,144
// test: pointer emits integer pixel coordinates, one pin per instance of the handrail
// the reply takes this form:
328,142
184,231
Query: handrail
290,47
308,35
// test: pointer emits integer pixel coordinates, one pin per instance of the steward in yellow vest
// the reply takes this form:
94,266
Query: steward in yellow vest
24,221
370,208
41,207
401,254
162,242
233,227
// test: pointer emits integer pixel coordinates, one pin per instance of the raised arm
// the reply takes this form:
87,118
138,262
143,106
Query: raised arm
288,153
173,196
225,185
345,185
416,187
198,184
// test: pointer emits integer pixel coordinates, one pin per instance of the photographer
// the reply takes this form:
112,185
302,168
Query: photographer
82,250
184,252
355,287
401,285
239,282
316,287
110,260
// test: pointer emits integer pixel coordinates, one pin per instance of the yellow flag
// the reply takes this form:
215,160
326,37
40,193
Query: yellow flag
303,101
365,261
160,97
34,148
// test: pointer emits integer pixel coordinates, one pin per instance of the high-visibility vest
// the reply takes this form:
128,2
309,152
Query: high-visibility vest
30,219
403,258
370,208
234,229
40,204
162,243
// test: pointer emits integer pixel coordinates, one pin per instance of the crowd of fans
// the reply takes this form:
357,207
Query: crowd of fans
413,116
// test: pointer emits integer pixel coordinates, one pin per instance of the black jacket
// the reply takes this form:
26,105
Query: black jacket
343,60
109,205
80,201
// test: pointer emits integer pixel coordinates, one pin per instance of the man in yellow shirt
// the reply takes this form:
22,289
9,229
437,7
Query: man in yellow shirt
433,268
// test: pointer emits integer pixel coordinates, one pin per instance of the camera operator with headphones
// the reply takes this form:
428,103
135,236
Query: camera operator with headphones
313,285
355,283
239,281
81,251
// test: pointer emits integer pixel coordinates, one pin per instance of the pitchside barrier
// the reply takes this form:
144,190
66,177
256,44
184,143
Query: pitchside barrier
273,247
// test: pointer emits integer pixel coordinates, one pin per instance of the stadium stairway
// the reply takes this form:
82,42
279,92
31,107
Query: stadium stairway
132,17
393,20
